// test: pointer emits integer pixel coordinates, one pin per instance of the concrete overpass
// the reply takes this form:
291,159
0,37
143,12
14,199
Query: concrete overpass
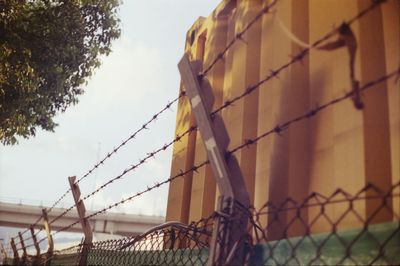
22,216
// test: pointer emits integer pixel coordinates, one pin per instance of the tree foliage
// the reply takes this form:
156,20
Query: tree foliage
48,49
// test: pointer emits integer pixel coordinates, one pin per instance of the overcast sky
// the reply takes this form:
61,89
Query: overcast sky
135,81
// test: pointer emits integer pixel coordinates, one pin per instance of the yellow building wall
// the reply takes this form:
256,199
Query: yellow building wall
341,147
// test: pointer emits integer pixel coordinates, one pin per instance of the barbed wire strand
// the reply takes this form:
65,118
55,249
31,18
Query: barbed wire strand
277,129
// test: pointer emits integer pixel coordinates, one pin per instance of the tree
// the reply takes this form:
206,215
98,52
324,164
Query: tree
48,50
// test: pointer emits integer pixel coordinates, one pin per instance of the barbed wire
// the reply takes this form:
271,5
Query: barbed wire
248,90
148,189
181,174
141,162
115,150
132,136
28,229
62,214
123,143
277,129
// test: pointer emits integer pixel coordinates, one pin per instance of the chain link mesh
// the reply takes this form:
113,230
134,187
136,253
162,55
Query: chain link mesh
340,229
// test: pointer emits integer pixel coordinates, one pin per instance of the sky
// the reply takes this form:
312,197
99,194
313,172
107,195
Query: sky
134,82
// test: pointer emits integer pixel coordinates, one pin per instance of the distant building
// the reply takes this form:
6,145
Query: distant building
341,147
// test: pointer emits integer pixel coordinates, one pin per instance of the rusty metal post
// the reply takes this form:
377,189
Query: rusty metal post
87,231
34,239
3,250
227,245
21,241
15,252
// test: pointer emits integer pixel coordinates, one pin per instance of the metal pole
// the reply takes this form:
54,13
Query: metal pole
34,239
15,252
21,240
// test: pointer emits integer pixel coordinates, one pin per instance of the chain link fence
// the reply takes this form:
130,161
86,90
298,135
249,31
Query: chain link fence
340,229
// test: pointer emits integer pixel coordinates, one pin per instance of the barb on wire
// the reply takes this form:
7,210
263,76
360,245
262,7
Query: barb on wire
59,200
142,161
61,214
238,36
66,227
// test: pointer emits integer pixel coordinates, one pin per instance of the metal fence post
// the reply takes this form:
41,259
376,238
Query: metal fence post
87,231
34,239
21,241
230,225
3,252
15,252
